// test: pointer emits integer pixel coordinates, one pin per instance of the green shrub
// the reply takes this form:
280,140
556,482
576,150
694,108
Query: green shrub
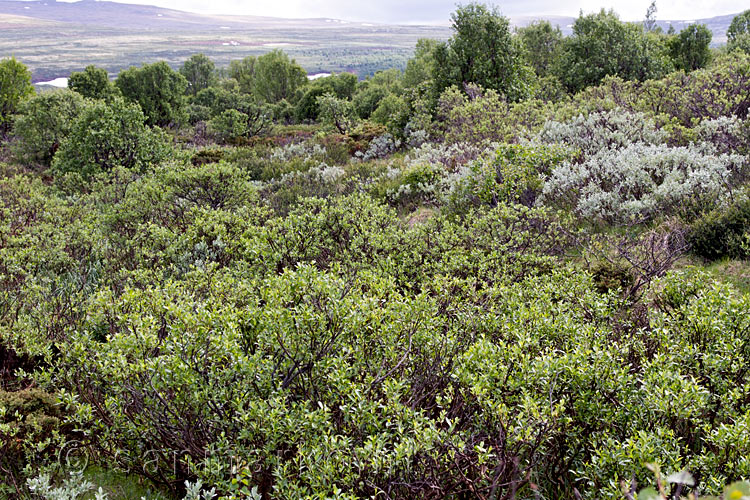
336,348
244,119
269,321
110,134
144,226
393,113
323,383
31,434
15,86
482,50
49,263
197,113
415,185
690,49
363,134
511,173
709,93
43,124
339,148
206,156
723,232
215,100
252,161
610,276
481,116
264,165
738,28
602,45
228,126
320,181
336,114
158,90
92,82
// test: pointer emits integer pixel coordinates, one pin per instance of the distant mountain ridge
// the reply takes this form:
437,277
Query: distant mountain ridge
132,16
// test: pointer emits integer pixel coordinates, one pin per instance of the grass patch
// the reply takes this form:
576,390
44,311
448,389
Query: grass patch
734,272
121,486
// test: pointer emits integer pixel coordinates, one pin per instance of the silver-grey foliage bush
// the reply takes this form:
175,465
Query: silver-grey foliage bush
448,157
72,488
726,134
603,130
639,181
380,147
76,486
304,150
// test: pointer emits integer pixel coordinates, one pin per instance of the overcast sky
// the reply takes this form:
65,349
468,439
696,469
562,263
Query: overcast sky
413,11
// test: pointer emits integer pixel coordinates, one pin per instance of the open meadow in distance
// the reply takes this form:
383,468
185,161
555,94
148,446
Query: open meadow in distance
52,48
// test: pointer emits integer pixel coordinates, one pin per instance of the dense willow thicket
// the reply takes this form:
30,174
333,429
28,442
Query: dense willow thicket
239,284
